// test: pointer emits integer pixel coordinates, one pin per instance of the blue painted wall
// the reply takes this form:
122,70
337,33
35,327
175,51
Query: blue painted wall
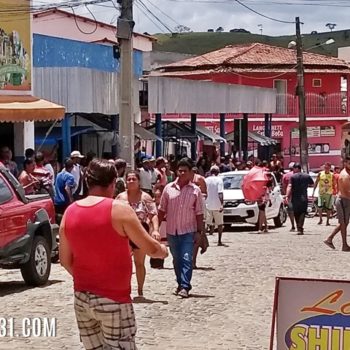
57,52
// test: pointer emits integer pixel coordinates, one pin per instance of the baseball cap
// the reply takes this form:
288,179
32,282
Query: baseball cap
76,154
296,166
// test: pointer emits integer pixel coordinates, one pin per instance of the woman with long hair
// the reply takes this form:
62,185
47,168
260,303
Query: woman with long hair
146,211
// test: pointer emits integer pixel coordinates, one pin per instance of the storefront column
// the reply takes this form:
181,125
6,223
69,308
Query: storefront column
222,134
268,133
159,133
66,137
245,136
194,131
115,129
23,138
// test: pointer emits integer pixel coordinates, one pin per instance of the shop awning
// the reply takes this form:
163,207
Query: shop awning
260,139
207,134
173,131
28,108
145,134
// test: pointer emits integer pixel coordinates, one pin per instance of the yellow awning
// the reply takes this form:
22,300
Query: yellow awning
28,108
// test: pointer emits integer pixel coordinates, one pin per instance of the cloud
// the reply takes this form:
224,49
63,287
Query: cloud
202,16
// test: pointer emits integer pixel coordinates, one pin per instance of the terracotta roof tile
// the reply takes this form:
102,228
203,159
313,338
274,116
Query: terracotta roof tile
255,55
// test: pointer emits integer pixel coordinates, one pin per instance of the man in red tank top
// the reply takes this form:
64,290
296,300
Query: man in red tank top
94,249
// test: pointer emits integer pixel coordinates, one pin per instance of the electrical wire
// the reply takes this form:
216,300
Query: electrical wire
154,16
261,14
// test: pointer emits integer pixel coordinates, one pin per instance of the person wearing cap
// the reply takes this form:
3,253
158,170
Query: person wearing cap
146,177
76,157
297,194
285,182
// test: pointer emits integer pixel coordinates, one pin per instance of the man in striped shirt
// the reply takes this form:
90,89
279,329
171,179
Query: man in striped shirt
182,204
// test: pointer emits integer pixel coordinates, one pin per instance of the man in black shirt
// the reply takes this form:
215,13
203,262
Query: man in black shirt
297,194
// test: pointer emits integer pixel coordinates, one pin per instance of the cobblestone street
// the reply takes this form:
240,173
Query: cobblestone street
231,301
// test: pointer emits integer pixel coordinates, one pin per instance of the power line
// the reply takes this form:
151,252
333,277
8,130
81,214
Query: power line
262,15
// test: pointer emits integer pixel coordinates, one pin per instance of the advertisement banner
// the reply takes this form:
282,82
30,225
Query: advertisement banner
15,45
311,314
315,131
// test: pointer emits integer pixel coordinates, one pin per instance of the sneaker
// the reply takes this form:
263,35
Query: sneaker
183,293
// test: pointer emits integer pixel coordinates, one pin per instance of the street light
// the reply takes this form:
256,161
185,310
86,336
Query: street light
301,93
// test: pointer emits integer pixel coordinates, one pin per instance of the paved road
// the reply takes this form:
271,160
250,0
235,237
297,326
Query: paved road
230,307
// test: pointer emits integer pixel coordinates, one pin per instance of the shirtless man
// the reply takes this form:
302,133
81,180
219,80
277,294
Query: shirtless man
342,204
199,180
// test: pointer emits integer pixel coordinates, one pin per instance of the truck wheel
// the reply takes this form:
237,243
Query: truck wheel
37,270
280,219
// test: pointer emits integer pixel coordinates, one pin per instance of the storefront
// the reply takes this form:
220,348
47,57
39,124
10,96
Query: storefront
327,143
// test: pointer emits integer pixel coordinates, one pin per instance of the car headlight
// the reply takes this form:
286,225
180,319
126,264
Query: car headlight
249,202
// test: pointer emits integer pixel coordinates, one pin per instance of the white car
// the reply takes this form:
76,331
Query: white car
239,210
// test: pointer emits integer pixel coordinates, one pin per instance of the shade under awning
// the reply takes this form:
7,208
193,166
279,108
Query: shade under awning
261,139
28,108
208,134
145,134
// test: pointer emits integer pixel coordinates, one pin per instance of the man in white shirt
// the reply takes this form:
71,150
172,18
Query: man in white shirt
146,177
215,202
76,157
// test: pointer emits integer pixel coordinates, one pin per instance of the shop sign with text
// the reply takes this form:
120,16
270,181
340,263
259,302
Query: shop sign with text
276,130
311,314
315,131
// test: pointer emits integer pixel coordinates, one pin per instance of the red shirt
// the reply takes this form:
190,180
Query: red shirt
101,257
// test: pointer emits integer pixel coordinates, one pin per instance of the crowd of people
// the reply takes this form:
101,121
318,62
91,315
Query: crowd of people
111,217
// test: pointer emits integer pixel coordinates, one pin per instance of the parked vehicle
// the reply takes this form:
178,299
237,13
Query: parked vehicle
28,233
239,210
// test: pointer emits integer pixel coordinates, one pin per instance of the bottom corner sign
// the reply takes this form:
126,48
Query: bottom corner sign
313,315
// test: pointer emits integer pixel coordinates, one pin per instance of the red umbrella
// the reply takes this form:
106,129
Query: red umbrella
254,184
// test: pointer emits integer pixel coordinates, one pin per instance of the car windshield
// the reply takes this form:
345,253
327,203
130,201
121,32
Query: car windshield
233,182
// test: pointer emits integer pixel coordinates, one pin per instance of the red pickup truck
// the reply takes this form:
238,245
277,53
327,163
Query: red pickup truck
28,232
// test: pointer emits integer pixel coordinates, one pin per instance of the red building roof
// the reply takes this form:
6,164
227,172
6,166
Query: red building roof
258,57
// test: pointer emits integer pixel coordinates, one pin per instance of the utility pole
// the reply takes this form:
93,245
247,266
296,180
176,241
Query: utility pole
125,27
301,94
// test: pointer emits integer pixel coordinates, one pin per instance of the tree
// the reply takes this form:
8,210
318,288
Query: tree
182,29
331,26
219,30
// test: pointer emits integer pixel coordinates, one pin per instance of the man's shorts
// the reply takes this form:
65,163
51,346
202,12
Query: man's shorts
215,215
325,201
104,323
343,210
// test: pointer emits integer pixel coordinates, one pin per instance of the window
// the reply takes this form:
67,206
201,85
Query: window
5,192
316,82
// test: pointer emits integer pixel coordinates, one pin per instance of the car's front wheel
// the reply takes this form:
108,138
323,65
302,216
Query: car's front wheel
36,271
280,219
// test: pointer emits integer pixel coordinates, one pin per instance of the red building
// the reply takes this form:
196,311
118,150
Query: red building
263,65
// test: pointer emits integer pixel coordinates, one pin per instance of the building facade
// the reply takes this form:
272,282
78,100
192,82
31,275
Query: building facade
327,96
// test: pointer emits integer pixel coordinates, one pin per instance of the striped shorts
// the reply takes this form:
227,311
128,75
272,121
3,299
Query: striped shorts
103,323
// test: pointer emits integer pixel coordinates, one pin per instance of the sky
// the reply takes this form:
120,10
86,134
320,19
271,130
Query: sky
200,15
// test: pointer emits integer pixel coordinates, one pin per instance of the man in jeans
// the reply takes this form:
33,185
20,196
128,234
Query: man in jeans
182,204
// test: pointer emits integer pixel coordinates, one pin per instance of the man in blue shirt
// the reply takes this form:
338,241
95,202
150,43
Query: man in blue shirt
64,187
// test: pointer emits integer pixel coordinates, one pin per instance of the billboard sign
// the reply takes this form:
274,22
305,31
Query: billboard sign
15,45
311,314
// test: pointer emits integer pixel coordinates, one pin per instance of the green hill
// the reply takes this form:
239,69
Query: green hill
199,43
